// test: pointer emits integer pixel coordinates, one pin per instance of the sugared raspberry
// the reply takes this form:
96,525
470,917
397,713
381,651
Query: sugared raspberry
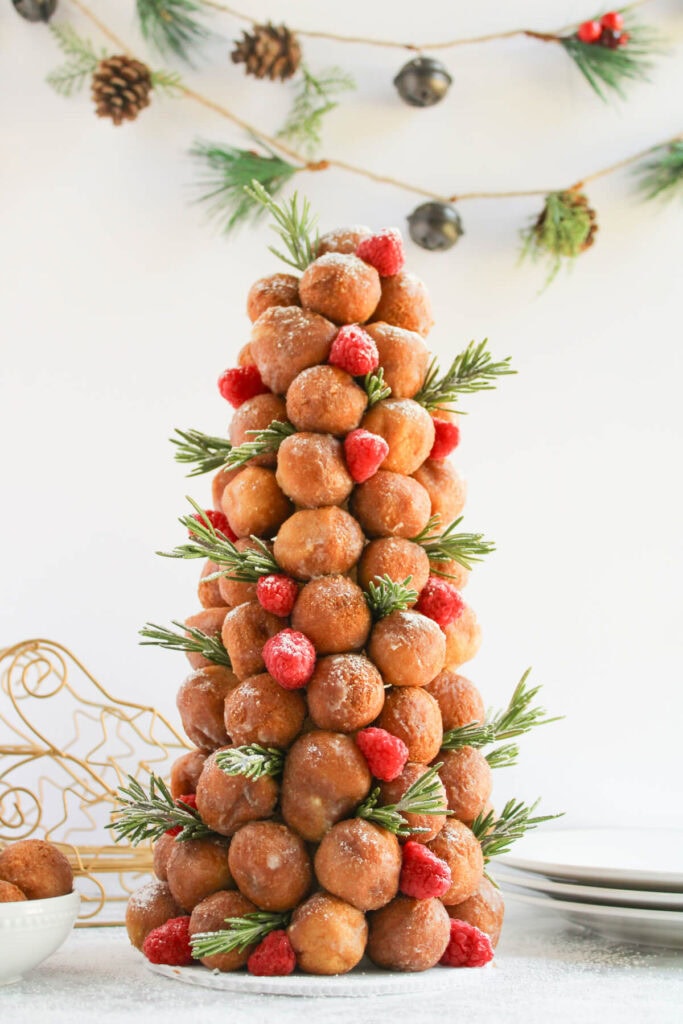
589,31
440,601
290,658
384,251
365,453
273,956
446,438
175,831
169,943
468,946
188,798
423,874
277,594
241,383
354,350
386,754
218,520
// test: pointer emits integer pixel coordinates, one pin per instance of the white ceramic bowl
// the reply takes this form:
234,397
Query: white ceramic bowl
31,931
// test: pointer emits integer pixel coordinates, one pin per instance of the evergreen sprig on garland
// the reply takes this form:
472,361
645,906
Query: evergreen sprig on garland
610,68
172,27
81,62
241,932
661,177
191,641
471,370
312,101
143,815
564,229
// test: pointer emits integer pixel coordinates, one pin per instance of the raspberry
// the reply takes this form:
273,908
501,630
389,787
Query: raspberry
175,831
440,601
273,956
446,438
241,383
218,520
290,658
384,251
277,594
191,800
354,350
365,453
423,874
468,946
386,754
169,943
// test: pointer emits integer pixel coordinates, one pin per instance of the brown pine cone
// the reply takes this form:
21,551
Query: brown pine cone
120,88
268,51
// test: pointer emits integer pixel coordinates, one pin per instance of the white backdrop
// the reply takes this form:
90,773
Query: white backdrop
120,307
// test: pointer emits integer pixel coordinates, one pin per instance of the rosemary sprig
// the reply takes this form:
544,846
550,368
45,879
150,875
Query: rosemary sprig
425,796
82,60
210,647
148,815
240,933
171,26
243,566
609,70
312,101
472,370
295,227
496,835
661,177
206,451
253,761
375,387
464,548
226,171
503,757
388,596
517,718
267,440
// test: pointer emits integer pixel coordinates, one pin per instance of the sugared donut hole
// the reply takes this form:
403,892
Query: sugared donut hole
324,780
463,638
327,400
405,303
196,868
37,868
245,356
11,893
407,428
333,613
313,542
396,558
413,716
209,621
274,290
245,631
148,908
286,340
408,648
459,700
161,852
340,287
459,847
254,503
484,909
311,470
451,571
226,802
359,862
185,772
209,592
201,701
446,488
345,693
218,484
408,934
256,414
236,592
391,505
403,356
270,865
391,793
261,711
467,779
210,916
344,240
328,935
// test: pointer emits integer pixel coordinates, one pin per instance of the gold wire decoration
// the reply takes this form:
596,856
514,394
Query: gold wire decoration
63,787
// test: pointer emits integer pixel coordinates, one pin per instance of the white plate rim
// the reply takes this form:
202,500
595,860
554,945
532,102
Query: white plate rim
644,914
604,895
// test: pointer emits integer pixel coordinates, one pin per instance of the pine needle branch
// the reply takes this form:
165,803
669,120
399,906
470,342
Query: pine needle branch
81,63
388,596
168,82
210,647
609,70
267,440
226,171
425,796
472,370
295,227
253,761
496,835
565,228
312,101
207,452
172,27
240,933
375,387
464,548
661,177
145,815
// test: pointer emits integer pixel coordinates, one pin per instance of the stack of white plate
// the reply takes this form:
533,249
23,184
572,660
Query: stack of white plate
625,883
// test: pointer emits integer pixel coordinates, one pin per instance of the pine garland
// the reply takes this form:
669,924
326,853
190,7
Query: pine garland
564,229
226,171
424,796
145,815
464,548
209,453
253,761
81,63
172,27
388,596
241,932
662,176
472,370
608,70
197,642
497,834
312,101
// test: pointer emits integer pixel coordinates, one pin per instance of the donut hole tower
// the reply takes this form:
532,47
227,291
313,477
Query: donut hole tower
337,802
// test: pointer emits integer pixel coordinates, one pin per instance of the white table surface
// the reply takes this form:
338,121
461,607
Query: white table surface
545,971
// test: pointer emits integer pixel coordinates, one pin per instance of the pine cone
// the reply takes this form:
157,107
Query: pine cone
268,52
575,200
121,88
